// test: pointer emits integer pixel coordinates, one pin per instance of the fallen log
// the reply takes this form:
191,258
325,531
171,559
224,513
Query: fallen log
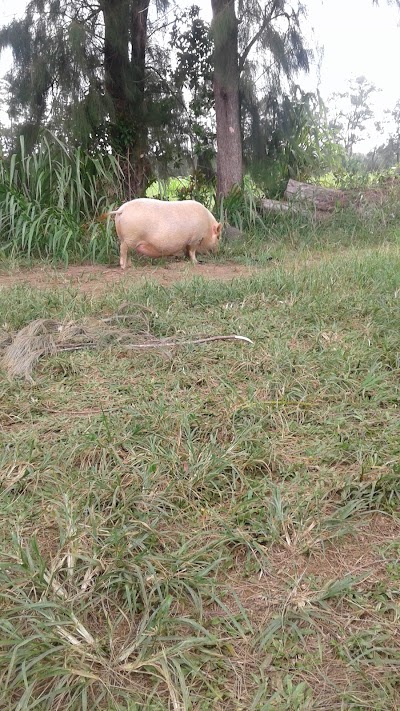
320,202
322,199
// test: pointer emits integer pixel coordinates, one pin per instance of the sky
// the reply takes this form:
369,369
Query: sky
357,37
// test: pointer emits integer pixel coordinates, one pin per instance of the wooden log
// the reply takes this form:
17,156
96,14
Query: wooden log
322,199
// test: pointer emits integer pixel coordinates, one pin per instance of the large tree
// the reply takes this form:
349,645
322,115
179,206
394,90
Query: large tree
226,94
81,66
273,29
125,38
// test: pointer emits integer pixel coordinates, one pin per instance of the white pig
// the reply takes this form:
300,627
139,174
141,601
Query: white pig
155,228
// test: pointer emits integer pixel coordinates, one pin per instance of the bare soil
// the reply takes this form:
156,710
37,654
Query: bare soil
94,279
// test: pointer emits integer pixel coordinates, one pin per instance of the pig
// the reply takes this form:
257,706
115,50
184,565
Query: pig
155,228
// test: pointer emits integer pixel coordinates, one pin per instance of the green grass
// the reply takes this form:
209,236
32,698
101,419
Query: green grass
215,527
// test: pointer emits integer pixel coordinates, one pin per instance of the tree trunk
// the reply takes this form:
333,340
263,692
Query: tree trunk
226,94
125,23
140,9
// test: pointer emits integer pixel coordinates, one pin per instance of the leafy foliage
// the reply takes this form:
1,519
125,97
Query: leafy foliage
182,135
274,28
56,77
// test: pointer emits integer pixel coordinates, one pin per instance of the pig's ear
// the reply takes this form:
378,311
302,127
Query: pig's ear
218,229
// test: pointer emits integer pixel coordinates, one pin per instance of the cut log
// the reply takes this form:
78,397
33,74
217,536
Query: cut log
322,199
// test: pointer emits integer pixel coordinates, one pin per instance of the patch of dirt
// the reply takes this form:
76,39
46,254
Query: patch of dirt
286,582
94,279
292,584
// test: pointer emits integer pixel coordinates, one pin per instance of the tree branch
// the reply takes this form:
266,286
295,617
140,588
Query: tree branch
268,17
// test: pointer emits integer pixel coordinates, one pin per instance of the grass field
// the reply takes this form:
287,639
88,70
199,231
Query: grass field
216,526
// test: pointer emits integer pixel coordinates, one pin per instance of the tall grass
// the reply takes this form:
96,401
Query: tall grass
48,201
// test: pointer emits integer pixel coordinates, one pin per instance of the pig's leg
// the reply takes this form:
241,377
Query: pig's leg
191,253
147,250
123,255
